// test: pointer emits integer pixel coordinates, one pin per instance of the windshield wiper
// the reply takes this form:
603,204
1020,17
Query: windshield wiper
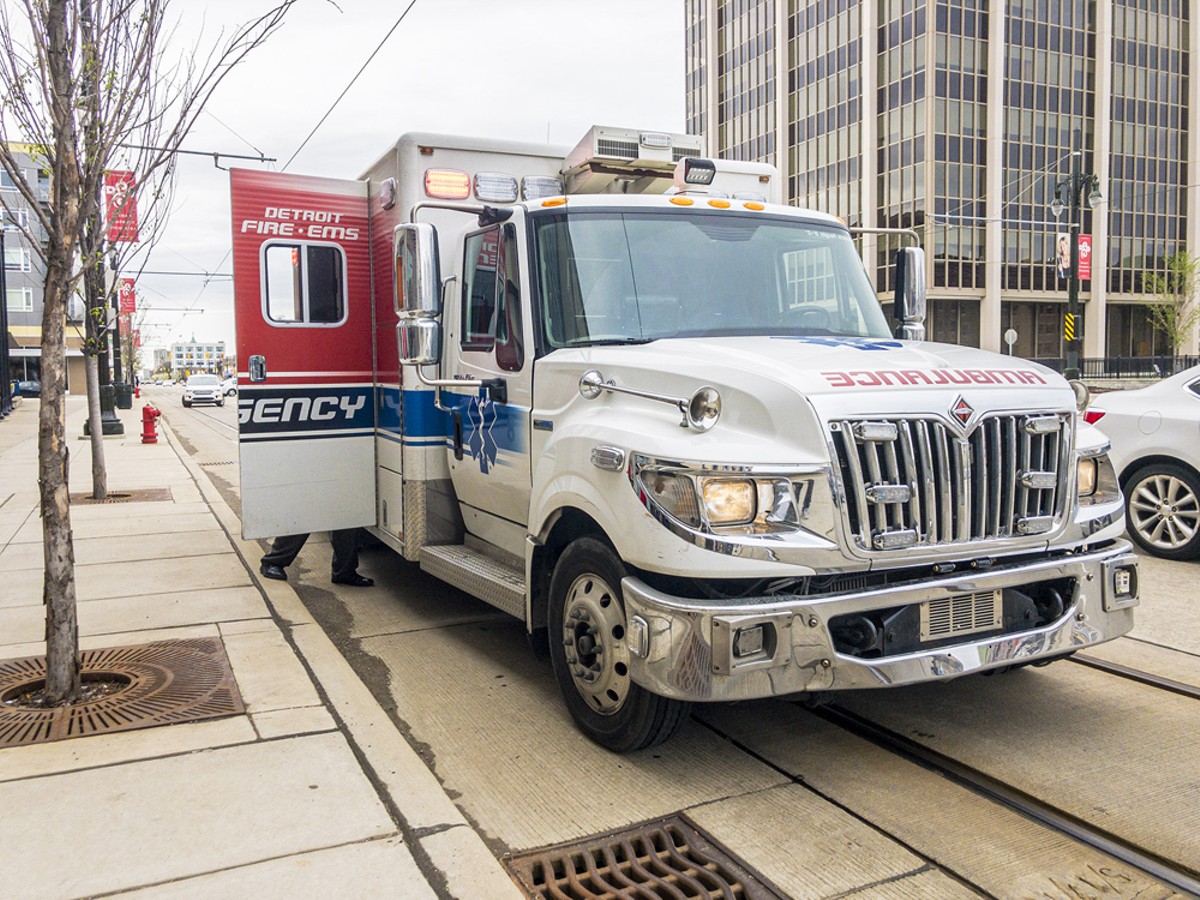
608,341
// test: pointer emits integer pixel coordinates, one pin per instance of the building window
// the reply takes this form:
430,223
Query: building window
13,219
6,181
17,259
19,299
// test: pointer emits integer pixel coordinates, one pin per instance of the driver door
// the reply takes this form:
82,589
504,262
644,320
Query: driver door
489,450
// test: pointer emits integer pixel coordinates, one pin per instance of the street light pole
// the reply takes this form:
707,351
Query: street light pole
6,404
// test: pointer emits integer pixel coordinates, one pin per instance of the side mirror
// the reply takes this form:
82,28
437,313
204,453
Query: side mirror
909,307
417,274
420,342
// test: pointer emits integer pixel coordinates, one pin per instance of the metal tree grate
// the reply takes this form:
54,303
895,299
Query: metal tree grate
168,682
668,858
146,495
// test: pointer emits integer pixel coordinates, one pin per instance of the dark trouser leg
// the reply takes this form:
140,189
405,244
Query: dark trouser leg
284,550
345,552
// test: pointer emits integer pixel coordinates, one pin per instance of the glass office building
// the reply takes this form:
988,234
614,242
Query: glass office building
958,119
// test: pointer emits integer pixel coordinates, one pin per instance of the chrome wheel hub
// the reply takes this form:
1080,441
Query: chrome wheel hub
594,644
1164,511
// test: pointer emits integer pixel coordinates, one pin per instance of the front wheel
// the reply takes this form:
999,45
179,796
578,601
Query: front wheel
591,657
1162,510
221,402
187,403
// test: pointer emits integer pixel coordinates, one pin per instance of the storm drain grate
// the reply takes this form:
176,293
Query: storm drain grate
147,495
167,682
668,858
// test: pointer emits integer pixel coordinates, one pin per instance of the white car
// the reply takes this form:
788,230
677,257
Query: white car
203,389
229,386
1155,434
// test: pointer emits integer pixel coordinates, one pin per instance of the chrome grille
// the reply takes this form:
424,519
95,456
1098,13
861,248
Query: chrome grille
917,482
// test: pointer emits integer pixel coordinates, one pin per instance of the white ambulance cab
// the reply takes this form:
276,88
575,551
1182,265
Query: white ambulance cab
625,395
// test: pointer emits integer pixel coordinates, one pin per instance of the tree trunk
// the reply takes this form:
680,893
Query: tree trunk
58,591
96,427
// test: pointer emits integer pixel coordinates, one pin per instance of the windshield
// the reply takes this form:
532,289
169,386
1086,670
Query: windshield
634,277
202,381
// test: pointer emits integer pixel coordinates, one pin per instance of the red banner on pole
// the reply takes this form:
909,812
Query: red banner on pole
123,324
120,206
1085,257
127,296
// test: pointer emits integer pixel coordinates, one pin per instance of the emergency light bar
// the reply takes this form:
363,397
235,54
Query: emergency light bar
447,184
729,178
495,187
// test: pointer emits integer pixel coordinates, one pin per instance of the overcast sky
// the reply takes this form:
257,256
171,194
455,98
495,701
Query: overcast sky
527,70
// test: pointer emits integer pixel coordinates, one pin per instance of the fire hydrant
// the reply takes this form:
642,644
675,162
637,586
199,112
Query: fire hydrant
149,414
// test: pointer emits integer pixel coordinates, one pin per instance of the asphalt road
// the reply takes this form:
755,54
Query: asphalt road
820,810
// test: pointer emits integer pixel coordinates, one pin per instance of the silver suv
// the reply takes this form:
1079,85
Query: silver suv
203,389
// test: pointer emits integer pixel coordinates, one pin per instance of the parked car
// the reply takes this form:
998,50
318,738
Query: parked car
203,389
1155,434
229,385
28,389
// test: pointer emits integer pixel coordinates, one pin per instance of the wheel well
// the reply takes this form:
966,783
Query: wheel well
1160,459
569,524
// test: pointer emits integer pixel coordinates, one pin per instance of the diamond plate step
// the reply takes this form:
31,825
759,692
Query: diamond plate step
478,575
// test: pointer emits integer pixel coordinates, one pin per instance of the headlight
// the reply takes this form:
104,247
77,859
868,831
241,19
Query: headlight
728,502
1096,481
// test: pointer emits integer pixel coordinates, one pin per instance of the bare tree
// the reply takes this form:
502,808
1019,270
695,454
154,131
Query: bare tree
1173,306
79,80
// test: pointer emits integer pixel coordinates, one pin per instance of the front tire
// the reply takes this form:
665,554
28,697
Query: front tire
221,402
187,403
591,656
1162,510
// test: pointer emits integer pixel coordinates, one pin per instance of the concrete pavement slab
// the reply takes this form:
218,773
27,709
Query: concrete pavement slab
298,720
1000,851
123,547
503,695
101,750
26,624
184,815
470,869
133,578
160,523
378,868
102,641
801,842
269,675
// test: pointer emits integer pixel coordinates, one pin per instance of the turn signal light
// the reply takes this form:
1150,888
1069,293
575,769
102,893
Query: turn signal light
447,184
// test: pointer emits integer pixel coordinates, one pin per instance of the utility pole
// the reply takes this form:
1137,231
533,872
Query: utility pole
1068,194
6,404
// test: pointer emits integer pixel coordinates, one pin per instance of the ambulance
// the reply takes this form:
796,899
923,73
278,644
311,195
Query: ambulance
624,394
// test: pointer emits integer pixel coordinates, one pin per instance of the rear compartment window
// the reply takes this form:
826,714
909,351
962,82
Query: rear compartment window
304,284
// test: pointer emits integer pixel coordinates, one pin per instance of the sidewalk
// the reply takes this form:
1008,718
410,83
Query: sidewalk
311,792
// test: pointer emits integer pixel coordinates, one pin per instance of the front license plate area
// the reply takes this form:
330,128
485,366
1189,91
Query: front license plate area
960,615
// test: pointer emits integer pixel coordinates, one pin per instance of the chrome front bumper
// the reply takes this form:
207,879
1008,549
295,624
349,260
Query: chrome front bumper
689,649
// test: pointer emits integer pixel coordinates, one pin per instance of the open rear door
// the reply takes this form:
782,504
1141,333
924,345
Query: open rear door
302,291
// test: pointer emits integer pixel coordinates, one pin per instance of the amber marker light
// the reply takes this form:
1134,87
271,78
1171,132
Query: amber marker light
555,201
750,204
719,204
681,201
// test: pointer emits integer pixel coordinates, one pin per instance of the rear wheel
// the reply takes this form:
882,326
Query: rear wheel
591,657
1162,510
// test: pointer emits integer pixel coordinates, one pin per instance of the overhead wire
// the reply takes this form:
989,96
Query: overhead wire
316,127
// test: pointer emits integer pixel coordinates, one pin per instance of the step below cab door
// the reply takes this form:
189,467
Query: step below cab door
306,411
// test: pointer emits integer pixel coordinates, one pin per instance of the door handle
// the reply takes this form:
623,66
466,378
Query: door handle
257,368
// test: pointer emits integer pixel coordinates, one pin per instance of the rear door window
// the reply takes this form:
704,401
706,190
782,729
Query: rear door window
304,284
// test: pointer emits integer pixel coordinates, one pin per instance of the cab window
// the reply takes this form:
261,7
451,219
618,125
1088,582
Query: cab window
491,310
304,284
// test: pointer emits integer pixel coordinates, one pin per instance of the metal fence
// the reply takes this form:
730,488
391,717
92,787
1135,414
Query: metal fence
1126,366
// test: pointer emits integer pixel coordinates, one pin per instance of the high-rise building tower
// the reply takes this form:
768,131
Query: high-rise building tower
959,119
